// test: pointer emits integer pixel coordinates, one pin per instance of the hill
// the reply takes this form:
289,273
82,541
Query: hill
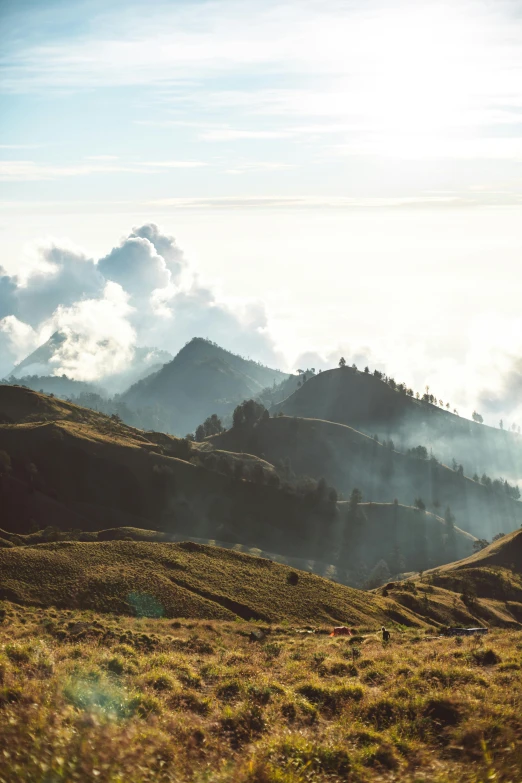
371,405
202,379
506,552
66,466
347,458
486,586
69,467
179,580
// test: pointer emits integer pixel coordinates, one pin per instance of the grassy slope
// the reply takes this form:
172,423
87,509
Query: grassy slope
150,701
186,580
505,552
484,589
362,401
347,458
93,473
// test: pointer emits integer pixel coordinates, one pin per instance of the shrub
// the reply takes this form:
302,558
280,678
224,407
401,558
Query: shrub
486,657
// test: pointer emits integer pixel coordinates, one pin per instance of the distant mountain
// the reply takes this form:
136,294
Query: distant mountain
370,405
39,364
347,459
39,361
202,379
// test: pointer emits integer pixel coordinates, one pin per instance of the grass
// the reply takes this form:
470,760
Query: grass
183,580
86,697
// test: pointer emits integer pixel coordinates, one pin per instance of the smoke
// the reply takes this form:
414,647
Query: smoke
141,293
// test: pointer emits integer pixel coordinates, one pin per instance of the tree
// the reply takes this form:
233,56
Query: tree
200,433
480,544
420,452
247,414
477,417
501,424
420,504
342,362
498,536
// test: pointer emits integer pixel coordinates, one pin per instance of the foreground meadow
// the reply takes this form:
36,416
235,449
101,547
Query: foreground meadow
87,697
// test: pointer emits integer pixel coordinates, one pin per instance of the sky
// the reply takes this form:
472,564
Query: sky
338,177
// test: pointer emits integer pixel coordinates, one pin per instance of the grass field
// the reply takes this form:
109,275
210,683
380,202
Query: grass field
87,697
183,580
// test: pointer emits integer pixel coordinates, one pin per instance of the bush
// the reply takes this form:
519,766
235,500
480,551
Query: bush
485,657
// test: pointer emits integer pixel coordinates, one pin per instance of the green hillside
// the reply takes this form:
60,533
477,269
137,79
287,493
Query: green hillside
369,404
347,458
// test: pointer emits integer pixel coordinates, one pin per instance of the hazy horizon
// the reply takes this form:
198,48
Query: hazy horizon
340,179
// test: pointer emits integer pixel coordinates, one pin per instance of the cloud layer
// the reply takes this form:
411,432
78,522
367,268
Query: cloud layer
141,293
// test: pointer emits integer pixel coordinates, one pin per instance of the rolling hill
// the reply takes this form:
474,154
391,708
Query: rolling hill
347,458
180,580
69,467
202,379
368,404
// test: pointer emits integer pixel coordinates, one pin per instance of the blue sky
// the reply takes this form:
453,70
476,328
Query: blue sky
279,99
342,147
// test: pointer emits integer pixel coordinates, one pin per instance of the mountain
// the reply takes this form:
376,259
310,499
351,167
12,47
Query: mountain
202,379
39,361
370,405
347,459
63,466
36,369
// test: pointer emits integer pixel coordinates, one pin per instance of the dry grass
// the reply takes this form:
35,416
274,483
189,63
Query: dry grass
182,580
88,697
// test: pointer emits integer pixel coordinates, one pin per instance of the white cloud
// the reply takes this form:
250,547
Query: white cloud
17,340
142,293
100,339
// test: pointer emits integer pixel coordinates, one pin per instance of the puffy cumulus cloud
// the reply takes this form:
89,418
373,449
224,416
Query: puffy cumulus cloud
136,266
165,245
142,293
63,276
194,311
